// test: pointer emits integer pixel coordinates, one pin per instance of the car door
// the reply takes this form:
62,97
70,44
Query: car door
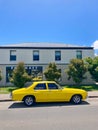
55,93
40,92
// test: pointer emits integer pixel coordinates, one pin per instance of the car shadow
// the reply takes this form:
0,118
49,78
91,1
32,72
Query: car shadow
50,104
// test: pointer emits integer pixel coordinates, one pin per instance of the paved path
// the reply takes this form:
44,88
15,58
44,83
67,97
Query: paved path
93,94
6,97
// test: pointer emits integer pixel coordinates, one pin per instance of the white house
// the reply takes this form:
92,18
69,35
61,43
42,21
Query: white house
37,56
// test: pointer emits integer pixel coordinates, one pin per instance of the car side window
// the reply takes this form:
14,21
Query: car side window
52,86
41,86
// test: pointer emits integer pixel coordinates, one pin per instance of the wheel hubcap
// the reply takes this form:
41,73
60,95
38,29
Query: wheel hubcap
29,101
76,99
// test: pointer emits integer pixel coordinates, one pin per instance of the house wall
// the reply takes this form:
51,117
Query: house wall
45,57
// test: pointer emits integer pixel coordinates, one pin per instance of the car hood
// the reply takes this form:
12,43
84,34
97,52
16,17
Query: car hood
19,90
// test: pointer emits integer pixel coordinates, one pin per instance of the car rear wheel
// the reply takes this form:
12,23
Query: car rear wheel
29,101
76,99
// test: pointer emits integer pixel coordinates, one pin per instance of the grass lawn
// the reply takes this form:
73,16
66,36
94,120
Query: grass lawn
85,87
6,90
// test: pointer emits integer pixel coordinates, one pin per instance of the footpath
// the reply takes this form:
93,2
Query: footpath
6,97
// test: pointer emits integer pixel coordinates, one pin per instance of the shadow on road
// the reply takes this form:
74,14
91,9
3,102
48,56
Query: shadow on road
53,104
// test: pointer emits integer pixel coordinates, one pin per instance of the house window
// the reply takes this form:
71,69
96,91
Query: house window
12,55
36,55
57,55
79,54
9,71
35,71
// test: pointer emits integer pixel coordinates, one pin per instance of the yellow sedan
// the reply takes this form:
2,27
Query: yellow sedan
48,91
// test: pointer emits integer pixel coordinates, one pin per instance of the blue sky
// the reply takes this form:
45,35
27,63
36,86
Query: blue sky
59,21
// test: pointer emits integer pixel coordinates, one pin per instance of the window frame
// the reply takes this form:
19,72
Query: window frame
36,56
57,55
79,54
12,56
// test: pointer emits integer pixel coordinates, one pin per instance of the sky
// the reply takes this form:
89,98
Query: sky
53,21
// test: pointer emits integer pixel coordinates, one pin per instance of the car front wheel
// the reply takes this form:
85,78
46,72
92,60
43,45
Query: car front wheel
76,99
29,101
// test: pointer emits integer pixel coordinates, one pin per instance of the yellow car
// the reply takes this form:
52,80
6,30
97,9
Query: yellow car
48,91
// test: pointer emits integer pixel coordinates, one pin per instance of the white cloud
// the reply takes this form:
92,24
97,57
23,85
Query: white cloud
95,44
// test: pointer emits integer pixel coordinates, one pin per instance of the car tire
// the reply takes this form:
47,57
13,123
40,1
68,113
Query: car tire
29,101
76,99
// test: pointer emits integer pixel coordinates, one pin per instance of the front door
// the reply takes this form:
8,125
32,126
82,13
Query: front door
55,93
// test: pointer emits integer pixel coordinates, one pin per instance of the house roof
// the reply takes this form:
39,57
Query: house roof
43,46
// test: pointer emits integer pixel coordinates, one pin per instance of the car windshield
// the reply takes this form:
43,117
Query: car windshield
60,87
27,86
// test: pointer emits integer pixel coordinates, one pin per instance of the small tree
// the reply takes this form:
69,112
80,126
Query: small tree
52,73
76,70
19,76
92,64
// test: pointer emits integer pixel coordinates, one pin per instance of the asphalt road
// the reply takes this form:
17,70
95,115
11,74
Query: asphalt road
49,116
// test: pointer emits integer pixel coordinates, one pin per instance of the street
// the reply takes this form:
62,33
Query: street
49,116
